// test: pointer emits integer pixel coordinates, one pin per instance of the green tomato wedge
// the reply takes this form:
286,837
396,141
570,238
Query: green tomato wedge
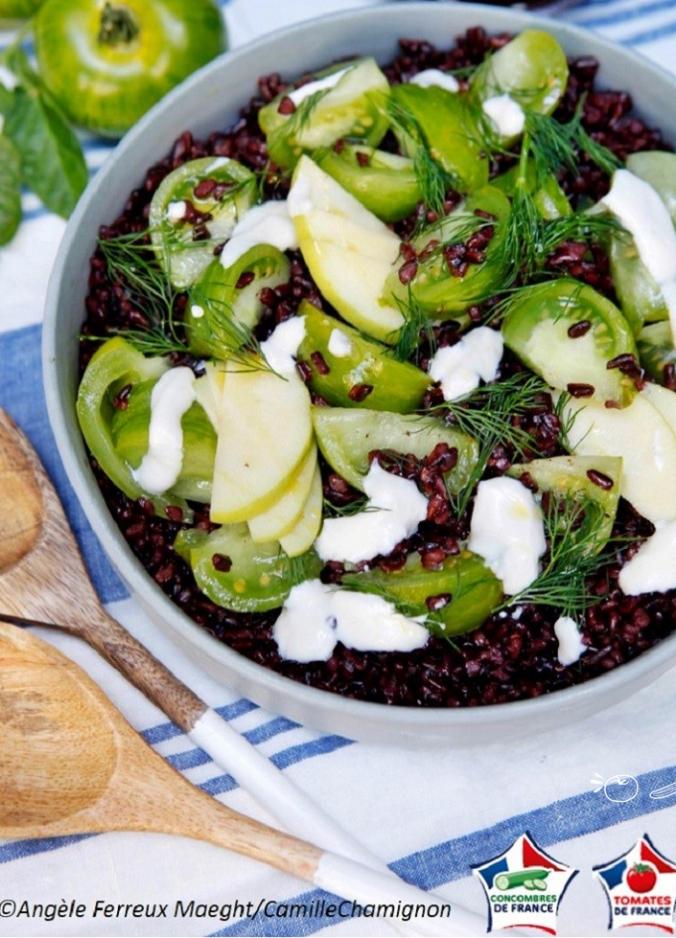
107,63
536,329
571,477
112,367
217,308
346,437
384,183
450,128
473,590
366,369
640,295
183,258
348,250
260,577
349,107
434,288
532,68
129,428
550,199
656,350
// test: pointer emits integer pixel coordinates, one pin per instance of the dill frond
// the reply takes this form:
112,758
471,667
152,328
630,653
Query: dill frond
416,323
571,530
230,338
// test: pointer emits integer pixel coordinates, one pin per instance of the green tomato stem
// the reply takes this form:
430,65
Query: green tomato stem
117,26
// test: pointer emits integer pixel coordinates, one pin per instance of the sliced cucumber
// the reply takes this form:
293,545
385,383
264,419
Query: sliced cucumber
346,437
260,576
182,257
466,585
350,107
536,328
216,302
573,476
367,367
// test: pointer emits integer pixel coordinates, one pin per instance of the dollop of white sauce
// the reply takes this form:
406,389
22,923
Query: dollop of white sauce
281,348
437,78
298,95
506,115
269,223
462,366
176,212
170,399
652,569
315,617
645,216
571,646
339,344
197,311
394,509
507,530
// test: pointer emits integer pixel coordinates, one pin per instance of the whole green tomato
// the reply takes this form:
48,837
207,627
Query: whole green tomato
18,9
107,63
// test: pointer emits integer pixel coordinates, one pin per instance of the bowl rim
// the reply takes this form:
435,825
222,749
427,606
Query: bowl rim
177,623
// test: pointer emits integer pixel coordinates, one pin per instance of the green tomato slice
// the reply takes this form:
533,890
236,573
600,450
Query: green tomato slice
434,287
225,298
352,107
112,367
259,577
385,183
129,430
536,328
346,436
572,477
656,350
366,368
466,585
532,68
183,258
450,128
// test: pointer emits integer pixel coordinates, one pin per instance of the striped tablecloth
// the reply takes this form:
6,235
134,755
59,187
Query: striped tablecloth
431,814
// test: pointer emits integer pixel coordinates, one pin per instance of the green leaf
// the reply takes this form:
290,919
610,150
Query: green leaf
10,190
6,100
51,157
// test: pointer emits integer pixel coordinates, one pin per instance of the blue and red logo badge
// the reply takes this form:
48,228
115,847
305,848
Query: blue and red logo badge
524,886
641,888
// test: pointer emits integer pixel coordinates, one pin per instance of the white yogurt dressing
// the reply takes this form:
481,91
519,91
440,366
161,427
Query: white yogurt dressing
393,512
645,216
506,115
339,344
281,348
462,366
269,223
571,646
653,568
435,77
176,212
170,399
507,530
197,311
315,617
298,95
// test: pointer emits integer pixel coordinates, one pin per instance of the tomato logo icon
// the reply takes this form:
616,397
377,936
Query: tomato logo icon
641,877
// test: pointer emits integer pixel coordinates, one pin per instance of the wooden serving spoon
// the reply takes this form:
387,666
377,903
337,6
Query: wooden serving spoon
43,581
71,764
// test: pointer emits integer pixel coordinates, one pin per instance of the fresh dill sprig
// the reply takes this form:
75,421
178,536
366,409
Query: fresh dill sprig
132,260
434,181
571,530
416,322
490,415
555,145
230,338
355,507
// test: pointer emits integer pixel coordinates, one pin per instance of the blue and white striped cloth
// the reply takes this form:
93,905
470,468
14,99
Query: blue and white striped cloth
431,814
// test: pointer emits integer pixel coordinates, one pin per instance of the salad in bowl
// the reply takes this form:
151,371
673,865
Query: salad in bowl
379,383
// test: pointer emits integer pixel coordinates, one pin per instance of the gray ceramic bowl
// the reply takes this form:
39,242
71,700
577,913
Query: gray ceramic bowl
211,99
